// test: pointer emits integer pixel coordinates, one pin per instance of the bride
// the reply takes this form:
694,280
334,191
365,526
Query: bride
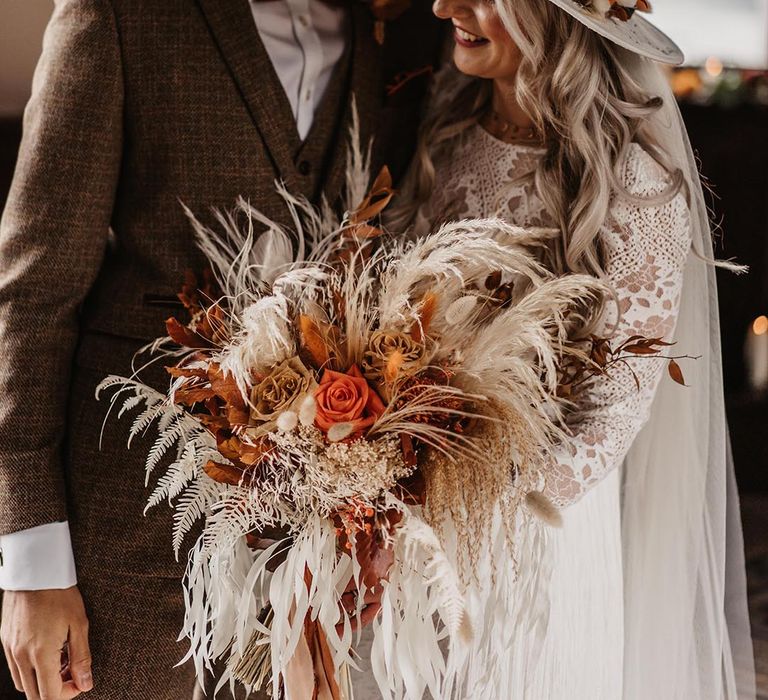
555,114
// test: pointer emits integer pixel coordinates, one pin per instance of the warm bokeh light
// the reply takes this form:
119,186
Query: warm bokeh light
760,325
713,66
686,82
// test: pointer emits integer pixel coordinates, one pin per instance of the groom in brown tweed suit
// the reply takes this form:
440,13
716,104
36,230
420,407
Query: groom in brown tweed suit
138,104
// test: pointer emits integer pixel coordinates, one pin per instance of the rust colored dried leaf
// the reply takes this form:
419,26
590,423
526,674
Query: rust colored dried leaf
237,415
223,473
225,386
230,447
376,201
420,328
313,342
253,454
409,453
493,281
640,350
364,232
197,372
676,372
184,336
189,395
214,423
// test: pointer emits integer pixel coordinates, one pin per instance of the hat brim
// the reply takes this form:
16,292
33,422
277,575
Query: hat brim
637,34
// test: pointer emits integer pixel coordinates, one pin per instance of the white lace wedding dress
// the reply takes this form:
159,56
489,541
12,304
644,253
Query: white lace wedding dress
645,250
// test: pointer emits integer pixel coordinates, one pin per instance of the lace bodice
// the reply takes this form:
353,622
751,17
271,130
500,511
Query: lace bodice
645,249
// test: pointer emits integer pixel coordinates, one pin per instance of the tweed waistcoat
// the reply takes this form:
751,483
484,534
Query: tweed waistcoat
139,105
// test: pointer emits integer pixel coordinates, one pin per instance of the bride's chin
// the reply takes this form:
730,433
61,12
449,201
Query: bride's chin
468,65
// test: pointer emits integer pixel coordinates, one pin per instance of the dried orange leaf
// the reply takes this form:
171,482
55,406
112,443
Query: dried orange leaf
377,199
225,386
313,342
676,372
189,395
183,335
364,232
223,473
640,350
198,372
426,312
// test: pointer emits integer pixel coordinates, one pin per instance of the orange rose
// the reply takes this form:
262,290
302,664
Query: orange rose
346,398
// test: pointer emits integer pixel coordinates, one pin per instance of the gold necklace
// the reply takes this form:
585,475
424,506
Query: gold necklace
508,132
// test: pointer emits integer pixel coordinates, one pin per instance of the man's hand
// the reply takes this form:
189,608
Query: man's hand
45,638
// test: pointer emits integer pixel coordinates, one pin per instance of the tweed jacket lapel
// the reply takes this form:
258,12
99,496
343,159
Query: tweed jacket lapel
366,91
234,32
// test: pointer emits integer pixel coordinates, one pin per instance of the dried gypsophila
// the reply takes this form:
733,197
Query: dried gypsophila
326,476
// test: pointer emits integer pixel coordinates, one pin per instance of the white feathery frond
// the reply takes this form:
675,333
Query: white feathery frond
420,541
169,435
177,477
198,500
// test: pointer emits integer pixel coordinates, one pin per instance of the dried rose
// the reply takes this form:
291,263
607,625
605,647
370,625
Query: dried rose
346,398
386,346
285,384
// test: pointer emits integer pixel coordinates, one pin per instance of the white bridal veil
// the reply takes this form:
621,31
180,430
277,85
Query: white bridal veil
687,634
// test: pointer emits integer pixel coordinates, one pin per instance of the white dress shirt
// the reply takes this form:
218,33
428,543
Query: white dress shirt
305,40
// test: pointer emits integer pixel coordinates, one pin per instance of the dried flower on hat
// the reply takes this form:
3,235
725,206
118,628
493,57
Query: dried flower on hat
620,9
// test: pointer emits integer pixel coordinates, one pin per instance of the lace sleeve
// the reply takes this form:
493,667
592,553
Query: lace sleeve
645,250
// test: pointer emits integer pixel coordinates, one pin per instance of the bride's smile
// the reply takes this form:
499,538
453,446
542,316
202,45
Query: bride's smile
484,48
465,38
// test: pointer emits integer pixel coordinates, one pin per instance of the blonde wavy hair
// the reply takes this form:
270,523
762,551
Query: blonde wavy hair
588,108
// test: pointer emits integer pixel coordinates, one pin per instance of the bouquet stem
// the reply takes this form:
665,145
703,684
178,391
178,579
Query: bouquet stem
254,668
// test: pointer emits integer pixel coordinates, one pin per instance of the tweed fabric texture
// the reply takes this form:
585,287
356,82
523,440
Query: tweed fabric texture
137,106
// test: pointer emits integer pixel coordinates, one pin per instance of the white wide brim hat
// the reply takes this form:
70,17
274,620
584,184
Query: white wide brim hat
636,34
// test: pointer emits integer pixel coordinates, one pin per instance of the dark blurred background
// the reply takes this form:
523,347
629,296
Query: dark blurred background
723,93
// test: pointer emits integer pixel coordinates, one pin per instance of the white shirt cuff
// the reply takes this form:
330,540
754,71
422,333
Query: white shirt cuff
38,558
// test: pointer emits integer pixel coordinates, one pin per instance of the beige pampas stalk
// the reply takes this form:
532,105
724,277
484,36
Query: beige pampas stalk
543,508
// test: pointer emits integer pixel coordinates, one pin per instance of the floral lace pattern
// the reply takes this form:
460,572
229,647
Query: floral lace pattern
645,248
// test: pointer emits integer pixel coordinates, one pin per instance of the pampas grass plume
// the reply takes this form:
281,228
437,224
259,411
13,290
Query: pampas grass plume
543,508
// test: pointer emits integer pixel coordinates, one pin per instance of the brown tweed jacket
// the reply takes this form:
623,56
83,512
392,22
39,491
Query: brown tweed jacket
138,104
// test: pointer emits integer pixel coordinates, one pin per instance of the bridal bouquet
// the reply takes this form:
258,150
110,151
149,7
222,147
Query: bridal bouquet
338,395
